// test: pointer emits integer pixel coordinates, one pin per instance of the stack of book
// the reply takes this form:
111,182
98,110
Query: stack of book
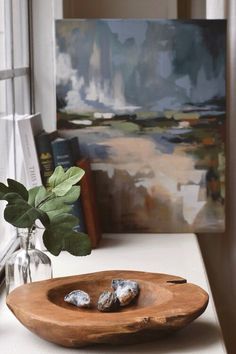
54,151
27,167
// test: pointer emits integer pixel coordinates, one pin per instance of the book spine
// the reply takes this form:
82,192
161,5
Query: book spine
62,156
74,149
62,153
46,162
26,135
77,210
89,204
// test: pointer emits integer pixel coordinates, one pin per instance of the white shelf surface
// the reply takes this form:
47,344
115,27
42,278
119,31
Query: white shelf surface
176,254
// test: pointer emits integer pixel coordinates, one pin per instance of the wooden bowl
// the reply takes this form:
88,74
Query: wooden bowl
165,304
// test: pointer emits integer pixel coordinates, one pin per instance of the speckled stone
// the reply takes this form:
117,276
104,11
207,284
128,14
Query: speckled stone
125,290
78,298
108,302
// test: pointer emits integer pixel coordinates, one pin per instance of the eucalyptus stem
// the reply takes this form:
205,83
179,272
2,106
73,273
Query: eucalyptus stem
30,230
51,196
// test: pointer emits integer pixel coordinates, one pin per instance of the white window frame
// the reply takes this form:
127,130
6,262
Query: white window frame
10,74
41,70
216,9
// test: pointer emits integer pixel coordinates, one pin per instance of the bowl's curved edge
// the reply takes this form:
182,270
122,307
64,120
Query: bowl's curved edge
140,329
137,332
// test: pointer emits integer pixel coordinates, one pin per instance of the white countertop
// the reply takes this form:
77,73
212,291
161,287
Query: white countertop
176,254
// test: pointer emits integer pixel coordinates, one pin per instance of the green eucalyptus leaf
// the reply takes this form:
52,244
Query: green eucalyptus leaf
60,227
65,220
56,177
61,183
14,187
61,205
20,214
55,205
42,195
52,204
71,196
3,190
17,187
12,198
74,174
59,235
52,242
77,244
32,195
53,209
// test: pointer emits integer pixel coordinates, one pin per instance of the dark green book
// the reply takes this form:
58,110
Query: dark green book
45,155
65,154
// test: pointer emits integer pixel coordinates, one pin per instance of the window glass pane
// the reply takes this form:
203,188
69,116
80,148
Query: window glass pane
22,95
8,234
5,35
14,97
7,170
20,33
6,102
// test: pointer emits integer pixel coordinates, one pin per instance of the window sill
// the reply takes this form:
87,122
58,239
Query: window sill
177,254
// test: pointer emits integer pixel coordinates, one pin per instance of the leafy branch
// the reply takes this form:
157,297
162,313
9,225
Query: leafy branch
52,207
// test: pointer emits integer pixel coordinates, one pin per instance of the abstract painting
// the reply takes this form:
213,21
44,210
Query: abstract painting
146,99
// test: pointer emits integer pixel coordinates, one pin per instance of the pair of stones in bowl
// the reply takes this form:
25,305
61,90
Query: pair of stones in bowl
124,292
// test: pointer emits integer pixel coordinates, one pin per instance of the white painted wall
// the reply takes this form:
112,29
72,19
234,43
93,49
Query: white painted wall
215,9
44,14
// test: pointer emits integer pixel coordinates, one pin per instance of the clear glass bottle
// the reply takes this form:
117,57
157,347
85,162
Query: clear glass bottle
26,264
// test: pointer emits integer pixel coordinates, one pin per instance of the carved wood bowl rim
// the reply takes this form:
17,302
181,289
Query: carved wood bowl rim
166,303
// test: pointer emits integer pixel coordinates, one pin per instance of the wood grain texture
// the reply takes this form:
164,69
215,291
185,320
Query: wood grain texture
165,304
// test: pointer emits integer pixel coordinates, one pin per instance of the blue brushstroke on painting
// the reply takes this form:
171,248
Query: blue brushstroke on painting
140,65
146,99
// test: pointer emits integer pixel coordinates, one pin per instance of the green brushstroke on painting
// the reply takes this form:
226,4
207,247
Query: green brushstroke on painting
127,127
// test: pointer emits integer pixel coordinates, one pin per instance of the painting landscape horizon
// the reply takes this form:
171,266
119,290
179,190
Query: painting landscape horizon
146,99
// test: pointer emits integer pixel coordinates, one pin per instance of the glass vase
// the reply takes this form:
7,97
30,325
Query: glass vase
27,264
